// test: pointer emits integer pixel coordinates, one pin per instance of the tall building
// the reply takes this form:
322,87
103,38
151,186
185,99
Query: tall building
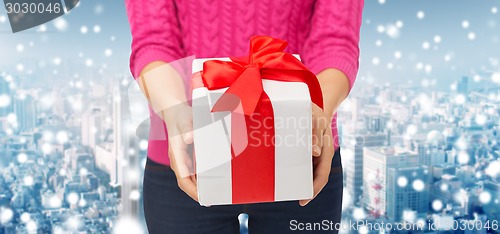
463,85
394,182
25,110
491,208
92,127
408,197
376,123
5,97
125,148
353,163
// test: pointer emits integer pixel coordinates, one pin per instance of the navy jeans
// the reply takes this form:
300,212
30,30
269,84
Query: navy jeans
168,209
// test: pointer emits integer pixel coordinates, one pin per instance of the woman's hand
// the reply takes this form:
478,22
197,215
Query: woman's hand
179,123
335,87
165,90
322,150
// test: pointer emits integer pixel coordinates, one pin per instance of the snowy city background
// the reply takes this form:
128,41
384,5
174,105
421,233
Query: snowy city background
419,133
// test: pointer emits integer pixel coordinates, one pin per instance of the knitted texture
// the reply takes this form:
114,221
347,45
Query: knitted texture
325,33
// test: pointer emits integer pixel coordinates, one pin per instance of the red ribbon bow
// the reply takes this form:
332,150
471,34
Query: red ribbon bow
244,75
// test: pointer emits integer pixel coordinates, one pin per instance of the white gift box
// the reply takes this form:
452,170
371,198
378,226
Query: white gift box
293,172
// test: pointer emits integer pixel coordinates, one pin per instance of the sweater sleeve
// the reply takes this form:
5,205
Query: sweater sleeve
333,40
155,33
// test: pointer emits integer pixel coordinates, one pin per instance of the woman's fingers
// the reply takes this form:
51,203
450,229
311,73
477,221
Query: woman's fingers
189,187
181,163
318,128
321,172
182,159
322,167
185,126
317,141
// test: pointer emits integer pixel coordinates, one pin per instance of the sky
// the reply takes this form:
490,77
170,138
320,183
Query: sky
423,42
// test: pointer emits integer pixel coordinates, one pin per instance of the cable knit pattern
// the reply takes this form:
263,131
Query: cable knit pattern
324,32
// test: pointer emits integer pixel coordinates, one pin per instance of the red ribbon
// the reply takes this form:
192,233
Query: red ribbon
253,168
244,75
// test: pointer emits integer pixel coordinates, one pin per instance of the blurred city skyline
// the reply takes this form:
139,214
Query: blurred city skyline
419,132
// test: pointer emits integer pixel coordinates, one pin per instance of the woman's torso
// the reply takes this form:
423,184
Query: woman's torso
223,28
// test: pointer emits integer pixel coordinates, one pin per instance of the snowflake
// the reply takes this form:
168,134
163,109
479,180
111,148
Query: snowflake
392,31
11,118
493,169
31,226
444,187
62,137
127,224
398,54
46,148
402,181
42,28
28,180
6,215
20,67
83,171
480,119
82,202
98,9
380,28
437,205
108,52
437,39
25,217
135,195
72,198
411,129
358,213
57,61
420,14
3,18
143,144
471,36
60,24
418,185
375,61
22,157
409,216
494,10
425,45
363,229
73,222
465,24
97,29
378,43
89,62
428,68
20,47
399,24
463,157
4,100
55,202
460,99
495,77
485,197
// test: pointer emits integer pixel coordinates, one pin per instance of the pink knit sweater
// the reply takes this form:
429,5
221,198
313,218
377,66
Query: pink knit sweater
324,32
